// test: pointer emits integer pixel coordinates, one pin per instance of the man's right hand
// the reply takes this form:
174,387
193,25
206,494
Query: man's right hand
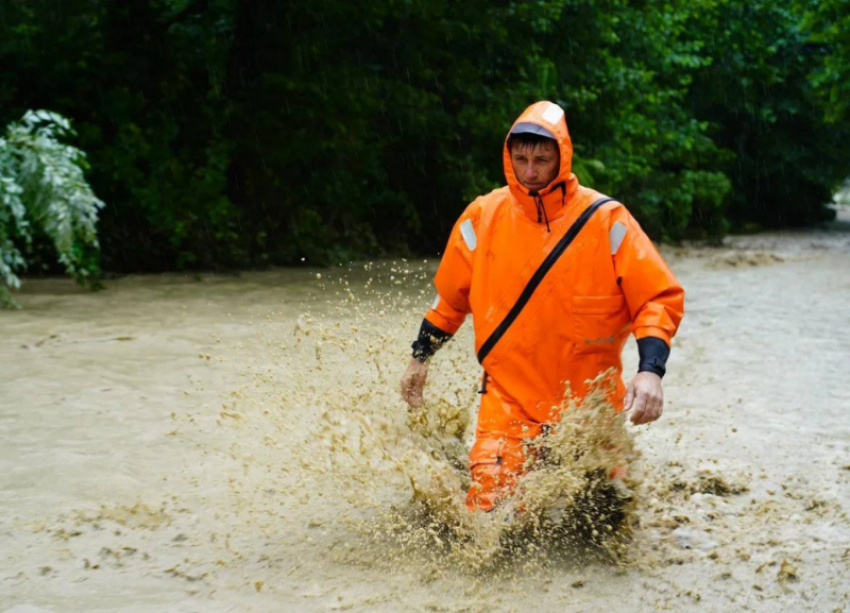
412,382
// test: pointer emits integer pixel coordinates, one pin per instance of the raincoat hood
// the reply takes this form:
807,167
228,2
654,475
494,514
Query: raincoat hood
553,199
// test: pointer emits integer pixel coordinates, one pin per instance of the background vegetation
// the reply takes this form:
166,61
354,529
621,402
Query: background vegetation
226,134
44,194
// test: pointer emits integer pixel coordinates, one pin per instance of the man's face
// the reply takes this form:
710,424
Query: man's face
535,167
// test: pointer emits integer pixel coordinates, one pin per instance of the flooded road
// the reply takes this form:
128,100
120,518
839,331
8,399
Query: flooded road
220,443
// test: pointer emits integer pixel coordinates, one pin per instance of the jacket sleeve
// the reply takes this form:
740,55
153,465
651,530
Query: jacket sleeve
444,316
454,277
453,280
655,299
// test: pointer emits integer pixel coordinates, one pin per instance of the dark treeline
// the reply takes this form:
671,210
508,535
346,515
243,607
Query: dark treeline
225,133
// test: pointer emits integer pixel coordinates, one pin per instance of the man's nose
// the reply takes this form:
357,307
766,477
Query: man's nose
530,171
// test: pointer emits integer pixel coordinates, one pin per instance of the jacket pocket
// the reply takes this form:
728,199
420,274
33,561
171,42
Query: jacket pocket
598,322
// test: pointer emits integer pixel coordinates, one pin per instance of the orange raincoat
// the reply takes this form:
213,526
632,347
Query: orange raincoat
570,326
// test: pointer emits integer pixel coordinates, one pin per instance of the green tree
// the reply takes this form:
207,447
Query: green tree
828,24
623,71
784,161
142,82
228,133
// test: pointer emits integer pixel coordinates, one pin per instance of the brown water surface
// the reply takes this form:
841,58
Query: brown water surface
237,443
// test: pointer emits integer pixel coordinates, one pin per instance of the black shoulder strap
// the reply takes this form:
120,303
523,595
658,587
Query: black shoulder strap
537,277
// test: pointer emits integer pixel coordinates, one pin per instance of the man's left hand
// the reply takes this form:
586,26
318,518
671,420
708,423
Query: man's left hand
645,398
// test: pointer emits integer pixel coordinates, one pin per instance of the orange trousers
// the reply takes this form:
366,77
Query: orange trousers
498,456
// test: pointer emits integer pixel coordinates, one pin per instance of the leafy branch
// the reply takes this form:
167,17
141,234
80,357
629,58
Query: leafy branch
43,189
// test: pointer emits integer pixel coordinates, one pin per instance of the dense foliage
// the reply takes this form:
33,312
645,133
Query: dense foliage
43,193
226,133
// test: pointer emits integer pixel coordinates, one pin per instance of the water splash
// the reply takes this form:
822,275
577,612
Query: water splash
401,475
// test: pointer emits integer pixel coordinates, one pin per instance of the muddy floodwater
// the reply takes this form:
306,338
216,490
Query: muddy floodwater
237,443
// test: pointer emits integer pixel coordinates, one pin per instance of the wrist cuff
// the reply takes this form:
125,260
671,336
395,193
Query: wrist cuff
653,355
430,339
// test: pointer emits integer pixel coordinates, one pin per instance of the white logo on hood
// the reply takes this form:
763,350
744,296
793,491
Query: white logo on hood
553,114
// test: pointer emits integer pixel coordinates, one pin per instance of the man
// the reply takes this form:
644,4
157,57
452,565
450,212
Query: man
556,276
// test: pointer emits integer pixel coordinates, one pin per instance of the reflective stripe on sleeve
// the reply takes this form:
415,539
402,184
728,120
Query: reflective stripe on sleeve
468,233
436,302
617,234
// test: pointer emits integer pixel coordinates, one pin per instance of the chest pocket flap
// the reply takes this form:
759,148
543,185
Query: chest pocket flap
598,305
598,322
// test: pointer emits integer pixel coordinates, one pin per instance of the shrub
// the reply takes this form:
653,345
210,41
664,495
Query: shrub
43,192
